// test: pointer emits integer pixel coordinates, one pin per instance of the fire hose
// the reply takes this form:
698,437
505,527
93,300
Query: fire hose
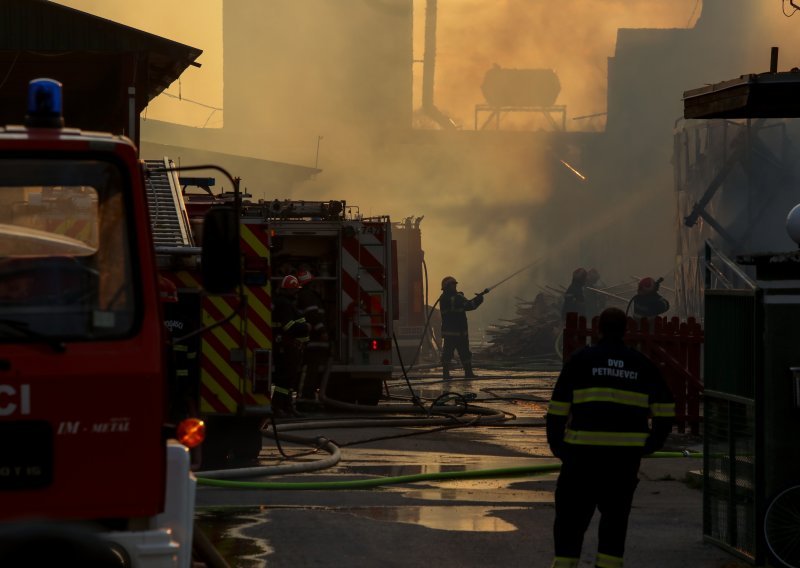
518,471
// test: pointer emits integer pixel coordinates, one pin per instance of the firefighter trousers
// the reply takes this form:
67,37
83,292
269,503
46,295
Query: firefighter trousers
288,370
594,478
456,342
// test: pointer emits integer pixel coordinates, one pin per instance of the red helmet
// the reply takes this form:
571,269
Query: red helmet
647,285
447,280
290,282
304,277
579,275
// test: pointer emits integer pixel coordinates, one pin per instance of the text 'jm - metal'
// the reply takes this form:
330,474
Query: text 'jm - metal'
75,427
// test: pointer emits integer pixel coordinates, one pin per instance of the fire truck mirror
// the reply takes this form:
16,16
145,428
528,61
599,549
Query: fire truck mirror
221,263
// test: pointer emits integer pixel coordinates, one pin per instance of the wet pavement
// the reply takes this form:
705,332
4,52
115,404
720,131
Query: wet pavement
450,520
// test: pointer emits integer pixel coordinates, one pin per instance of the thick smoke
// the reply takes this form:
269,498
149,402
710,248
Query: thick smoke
572,37
302,76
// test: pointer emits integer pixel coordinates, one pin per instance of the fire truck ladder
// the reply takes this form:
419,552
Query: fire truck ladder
167,209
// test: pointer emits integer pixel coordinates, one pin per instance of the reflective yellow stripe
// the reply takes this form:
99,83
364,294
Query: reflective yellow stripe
180,347
608,561
558,408
181,373
610,395
587,438
663,409
282,390
563,562
290,324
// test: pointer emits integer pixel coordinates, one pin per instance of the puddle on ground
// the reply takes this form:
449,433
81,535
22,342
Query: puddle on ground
467,519
225,529
493,490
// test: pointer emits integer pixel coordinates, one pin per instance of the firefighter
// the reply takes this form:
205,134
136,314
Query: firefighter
317,352
647,302
290,334
454,306
574,300
610,406
595,302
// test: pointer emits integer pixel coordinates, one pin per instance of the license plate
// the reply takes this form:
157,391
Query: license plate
26,455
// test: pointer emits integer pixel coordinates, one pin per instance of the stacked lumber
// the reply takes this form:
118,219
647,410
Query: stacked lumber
535,331
531,334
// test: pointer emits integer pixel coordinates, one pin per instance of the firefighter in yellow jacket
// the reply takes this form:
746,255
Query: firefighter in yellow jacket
610,406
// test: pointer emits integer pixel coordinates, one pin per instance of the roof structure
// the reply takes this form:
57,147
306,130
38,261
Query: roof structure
97,60
763,95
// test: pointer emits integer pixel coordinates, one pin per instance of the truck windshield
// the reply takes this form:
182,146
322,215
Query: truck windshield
65,258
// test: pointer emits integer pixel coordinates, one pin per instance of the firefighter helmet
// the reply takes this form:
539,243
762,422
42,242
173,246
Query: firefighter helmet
304,277
447,280
647,285
579,275
290,282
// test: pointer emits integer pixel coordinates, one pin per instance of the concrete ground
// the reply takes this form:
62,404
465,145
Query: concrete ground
461,523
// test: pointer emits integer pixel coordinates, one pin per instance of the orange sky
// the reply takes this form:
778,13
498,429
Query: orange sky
193,22
568,36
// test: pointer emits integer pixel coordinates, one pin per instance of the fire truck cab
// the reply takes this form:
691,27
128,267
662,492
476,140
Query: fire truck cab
87,446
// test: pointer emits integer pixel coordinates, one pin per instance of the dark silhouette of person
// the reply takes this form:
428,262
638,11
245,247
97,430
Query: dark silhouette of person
610,406
574,300
453,306
647,302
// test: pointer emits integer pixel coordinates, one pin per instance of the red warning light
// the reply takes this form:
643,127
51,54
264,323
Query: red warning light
191,432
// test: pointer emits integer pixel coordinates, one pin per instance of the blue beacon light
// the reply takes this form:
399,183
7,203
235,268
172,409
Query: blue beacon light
44,104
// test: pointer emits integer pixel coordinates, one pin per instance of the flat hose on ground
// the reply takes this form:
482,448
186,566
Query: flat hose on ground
519,471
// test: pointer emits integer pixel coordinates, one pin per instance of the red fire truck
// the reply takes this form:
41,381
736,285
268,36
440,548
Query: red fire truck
353,261
88,447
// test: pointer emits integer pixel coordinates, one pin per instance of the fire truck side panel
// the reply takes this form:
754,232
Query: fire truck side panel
228,352
366,296
76,429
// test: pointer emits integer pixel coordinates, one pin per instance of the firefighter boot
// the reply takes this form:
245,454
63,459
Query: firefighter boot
293,407
468,374
446,371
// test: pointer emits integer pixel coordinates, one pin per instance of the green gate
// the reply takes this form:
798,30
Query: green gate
751,409
729,443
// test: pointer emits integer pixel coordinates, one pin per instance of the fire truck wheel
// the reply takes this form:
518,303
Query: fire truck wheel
47,543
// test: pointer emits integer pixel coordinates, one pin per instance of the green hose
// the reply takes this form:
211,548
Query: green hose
379,481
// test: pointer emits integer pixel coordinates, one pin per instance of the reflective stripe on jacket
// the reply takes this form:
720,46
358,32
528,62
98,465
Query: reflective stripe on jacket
608,395
454,307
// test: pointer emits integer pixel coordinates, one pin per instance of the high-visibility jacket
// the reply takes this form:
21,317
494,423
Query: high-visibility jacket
310,304
288,323
454,307
607,395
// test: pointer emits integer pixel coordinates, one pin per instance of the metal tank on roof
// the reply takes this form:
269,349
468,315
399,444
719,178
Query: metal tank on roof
520,87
